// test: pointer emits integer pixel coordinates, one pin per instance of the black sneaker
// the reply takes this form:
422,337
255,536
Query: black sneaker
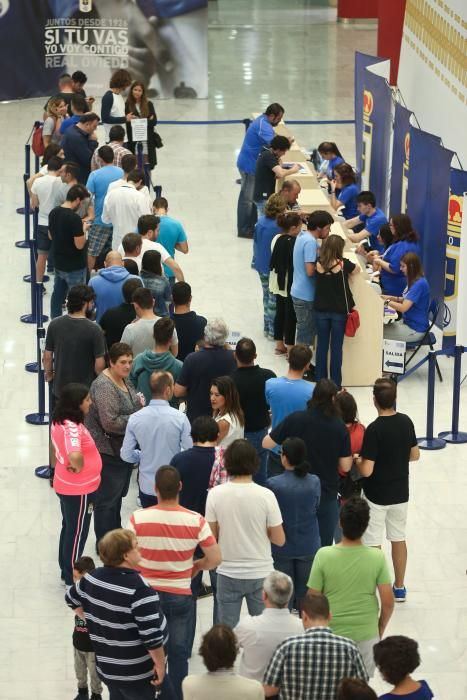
96,696
310,374
83,694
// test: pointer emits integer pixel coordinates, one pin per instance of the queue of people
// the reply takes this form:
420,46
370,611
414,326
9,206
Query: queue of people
287,520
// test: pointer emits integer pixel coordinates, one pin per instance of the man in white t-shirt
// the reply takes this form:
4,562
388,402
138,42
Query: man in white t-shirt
124,205
148,228
245,518
260,635
44,191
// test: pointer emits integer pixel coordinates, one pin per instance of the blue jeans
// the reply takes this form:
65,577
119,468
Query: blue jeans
115,480
230,595
246,210
260,204
328,514
178,613
298,568
269,307
256,439
63,281
138,690
330,329
306,330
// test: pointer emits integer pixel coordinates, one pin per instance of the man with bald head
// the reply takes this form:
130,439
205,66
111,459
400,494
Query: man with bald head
108,283
290,191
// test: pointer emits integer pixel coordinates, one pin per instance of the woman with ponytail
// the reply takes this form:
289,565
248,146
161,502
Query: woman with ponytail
298,493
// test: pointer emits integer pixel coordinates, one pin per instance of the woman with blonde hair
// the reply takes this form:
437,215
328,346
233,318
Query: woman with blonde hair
333,301
265,230
140,107
56,112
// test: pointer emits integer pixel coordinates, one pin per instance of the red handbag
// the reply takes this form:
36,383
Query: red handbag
353,317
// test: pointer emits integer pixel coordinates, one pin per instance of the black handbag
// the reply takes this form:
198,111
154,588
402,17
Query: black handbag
158,143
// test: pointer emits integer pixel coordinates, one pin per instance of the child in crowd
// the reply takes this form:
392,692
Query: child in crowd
154,279
85,659
396,658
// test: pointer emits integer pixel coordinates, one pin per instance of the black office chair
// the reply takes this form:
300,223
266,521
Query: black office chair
429,339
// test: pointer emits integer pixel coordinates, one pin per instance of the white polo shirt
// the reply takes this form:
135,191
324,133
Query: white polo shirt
122,208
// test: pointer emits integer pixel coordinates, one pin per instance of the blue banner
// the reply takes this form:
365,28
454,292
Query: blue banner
376,136
362,61
458,185
41,39
427,204
400,160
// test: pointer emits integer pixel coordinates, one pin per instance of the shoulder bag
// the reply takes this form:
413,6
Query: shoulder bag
353,318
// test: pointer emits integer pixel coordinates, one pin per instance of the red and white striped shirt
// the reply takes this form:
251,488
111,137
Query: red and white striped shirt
167,538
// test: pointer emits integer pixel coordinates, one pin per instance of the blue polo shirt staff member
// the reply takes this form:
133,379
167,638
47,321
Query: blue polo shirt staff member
331,157
392,279
372,219
259,134
344,191
414,303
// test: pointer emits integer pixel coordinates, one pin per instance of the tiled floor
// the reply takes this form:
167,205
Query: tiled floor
260,51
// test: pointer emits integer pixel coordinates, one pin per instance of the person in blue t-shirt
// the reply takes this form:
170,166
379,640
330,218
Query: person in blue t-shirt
284,395
372,219
171,234
265,230
259,134
414,304
344,183
392,279
100,234
330,153
396,658
78,106
304,264
298,493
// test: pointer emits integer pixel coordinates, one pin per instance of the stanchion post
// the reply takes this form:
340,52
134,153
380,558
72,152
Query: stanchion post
147,176
26,242
45,471
429,442
41,417
36,291
454,435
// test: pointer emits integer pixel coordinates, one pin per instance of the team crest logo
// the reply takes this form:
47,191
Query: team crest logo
455,209
367,103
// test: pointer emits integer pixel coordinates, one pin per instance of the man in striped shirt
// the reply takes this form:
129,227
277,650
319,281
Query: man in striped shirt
125,622
167,537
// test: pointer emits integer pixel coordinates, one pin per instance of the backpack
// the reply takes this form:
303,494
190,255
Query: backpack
37,143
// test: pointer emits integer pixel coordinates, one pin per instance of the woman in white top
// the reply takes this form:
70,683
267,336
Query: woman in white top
56,111
113,101
219,650
226,410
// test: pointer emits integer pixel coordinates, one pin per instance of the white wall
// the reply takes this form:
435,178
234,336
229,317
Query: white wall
432,79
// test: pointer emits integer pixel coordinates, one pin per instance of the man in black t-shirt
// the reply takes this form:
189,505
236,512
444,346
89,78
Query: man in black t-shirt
388,447
189,326
268,169
68,234
200,368
250,380
114,320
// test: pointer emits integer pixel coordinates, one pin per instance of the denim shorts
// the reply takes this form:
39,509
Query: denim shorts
43,241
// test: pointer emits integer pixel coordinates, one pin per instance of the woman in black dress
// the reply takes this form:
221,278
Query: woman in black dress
138,104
